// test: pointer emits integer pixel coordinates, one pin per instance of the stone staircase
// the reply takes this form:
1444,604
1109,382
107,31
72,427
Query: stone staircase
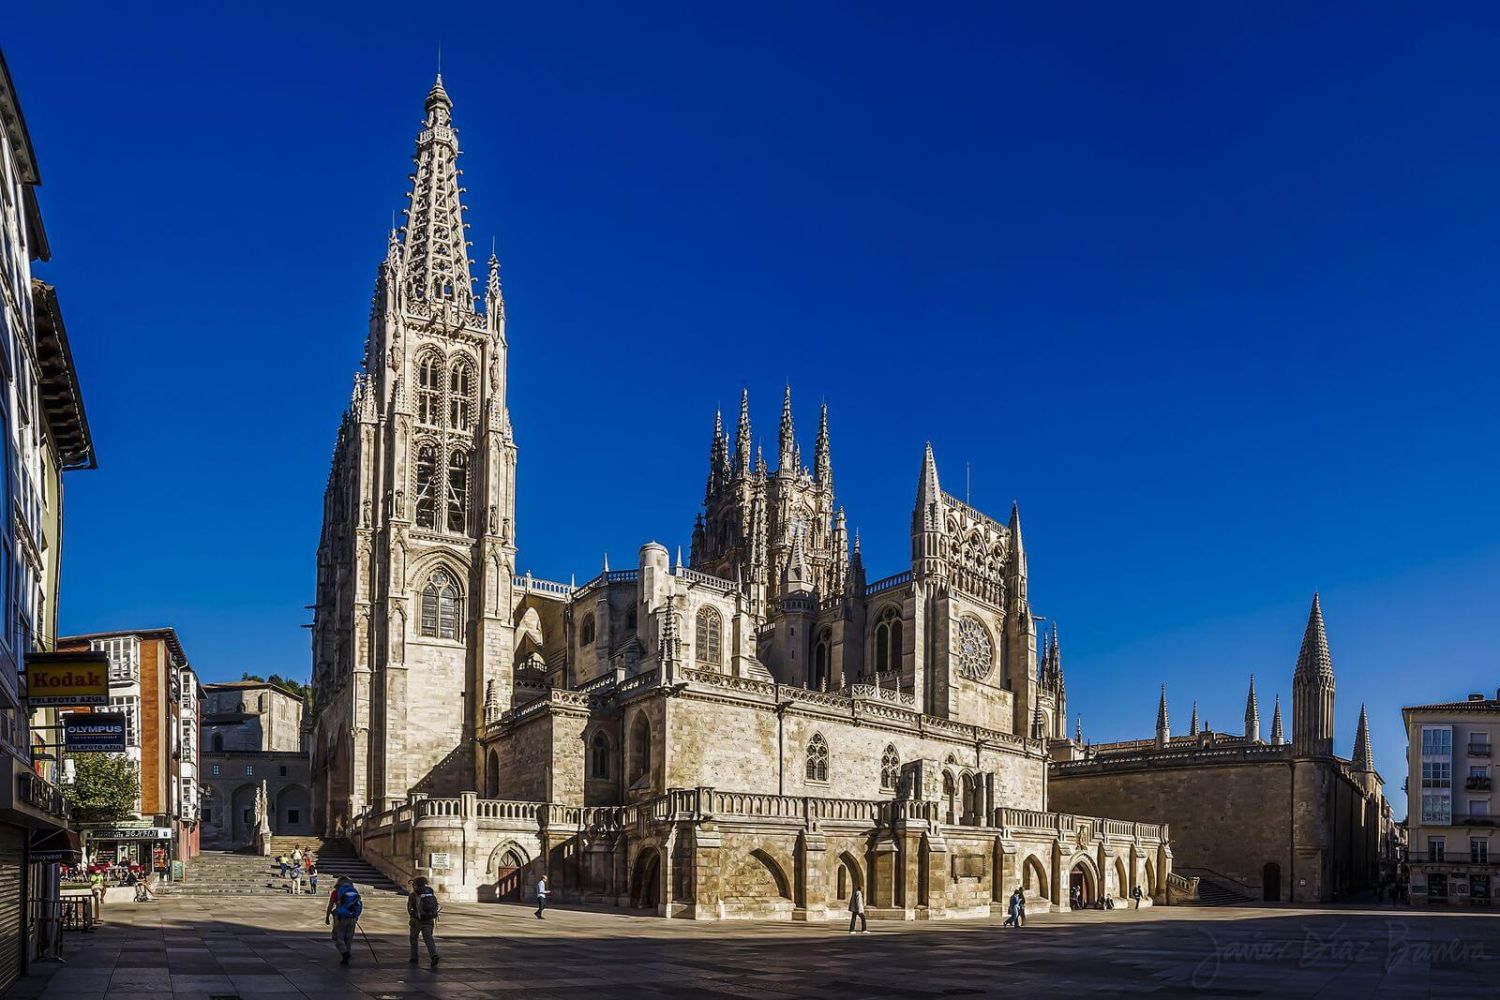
1215,889
231,873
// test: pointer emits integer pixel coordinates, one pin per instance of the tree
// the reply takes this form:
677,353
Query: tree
104,788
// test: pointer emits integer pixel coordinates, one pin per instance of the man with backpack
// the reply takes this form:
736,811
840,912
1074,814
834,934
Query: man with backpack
344,908
422,909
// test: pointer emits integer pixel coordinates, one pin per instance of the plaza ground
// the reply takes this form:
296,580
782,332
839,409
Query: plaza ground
269,948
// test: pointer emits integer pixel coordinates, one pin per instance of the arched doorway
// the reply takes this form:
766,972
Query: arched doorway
1083,886
1270,882
241,819
507,867
850,876
293,812
1034,878
1122,880
1148,888
645,887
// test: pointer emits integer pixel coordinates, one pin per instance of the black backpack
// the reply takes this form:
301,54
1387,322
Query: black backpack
427,905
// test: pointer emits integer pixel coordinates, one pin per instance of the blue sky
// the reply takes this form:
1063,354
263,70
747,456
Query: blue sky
1210,289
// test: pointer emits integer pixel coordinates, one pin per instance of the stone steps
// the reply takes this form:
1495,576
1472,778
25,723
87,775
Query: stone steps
223,873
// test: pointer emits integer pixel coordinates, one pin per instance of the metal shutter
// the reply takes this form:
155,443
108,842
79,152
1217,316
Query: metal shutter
12,858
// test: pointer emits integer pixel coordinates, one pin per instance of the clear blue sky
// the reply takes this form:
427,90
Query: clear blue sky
1211,289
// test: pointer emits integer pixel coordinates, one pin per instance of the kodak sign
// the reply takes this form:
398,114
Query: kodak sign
67,679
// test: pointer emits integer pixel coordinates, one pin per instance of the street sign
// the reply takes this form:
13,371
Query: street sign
130,833
67,679
95,732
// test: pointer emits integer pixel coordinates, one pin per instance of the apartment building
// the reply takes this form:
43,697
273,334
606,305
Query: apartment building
1453,843
150,682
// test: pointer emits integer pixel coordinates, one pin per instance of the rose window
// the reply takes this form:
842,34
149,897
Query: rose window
975,653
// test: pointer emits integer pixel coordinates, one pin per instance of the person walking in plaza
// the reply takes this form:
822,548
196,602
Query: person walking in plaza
1020,908
344,908
1136,895
281,859
1013,909
541,896
312,878
422,911
296,860
857,911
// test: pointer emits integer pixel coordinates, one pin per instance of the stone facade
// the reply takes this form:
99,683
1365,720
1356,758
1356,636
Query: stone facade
1272,820
254,732
248,716
749,733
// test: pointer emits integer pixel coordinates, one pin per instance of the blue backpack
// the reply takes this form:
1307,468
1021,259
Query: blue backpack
348,904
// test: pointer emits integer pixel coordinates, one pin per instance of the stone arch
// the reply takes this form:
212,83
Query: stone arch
639,775
1148,887
506,869
850,876
293,812
777,871
1034,877
241,819
645,879
492,774
1122,879
1084,876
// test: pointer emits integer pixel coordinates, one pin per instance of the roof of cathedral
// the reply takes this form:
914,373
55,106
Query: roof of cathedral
436,245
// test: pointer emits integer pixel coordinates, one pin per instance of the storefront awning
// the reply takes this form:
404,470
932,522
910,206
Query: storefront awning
57,845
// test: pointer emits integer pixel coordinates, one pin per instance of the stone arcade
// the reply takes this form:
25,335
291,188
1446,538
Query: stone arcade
754,733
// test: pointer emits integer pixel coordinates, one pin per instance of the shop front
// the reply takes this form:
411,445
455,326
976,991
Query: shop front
139,845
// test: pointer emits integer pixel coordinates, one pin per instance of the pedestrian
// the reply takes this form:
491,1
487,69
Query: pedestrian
1074,898
1011,910
541,896
1136,895
281,860
1020,908
857,911
344,908
294,888
312,879
422,911
296,860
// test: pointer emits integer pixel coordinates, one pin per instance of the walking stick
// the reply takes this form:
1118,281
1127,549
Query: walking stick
367,941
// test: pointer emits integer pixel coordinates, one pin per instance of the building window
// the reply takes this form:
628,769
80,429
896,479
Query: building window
640,751
283,772
888,641
442,607
586,631
130,707
1437,741
458,491
208,814
817,758
460,389
1437,808
218,745
1436,849
599,757
294,815
124,654
710,636
1479,744
890,769
1437,774
822,659
1479,850
429,388
427,486
1479,807
249,770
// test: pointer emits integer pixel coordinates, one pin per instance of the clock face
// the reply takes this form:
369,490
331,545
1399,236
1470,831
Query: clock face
975,651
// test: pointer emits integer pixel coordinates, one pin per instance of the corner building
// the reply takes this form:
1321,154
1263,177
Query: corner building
753,732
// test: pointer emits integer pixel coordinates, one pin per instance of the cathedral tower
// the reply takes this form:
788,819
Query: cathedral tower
412,624
1312,690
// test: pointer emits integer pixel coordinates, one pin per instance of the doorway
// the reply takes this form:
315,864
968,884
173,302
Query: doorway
1270,882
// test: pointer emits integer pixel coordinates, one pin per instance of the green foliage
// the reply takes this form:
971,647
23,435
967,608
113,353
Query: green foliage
289,684
104,788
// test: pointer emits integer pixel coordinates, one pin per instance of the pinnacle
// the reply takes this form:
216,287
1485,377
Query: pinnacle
1363,759
1313,660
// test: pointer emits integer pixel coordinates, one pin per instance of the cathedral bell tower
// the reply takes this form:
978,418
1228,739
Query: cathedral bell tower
413,623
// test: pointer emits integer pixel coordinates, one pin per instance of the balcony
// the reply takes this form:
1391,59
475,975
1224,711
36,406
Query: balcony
1479,750
1477,784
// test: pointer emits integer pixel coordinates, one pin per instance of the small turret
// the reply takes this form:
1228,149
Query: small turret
1193,729
823,453
1252,714
742,438
786,462
1363,759
1163,728
1313,689
1277,737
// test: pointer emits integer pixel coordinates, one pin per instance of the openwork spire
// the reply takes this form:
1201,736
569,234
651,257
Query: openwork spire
1313,660
1193,725
1252,714
823,457
787,457
742,439
1364,760
1278,737
1163,727
437,252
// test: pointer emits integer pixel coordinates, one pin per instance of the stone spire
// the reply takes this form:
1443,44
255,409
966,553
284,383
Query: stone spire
494,298
742,439
796,578
718,458
1078,733
1193,725
1313,689
1163,728
1252,714
437,248
786,461
1277,737
822,453
1363,759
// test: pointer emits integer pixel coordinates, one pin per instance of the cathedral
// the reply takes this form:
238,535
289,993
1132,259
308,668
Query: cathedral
752,732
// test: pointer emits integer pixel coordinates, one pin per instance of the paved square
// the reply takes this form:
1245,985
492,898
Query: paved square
258,948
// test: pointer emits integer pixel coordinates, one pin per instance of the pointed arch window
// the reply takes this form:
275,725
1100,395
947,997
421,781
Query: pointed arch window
458,490
427,486
822,659
460,395
429,390
586,631
442,607
817,758
890,769
888,641
709,636
599,756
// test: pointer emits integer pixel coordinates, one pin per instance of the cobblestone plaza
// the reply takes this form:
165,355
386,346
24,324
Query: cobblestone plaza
265,948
